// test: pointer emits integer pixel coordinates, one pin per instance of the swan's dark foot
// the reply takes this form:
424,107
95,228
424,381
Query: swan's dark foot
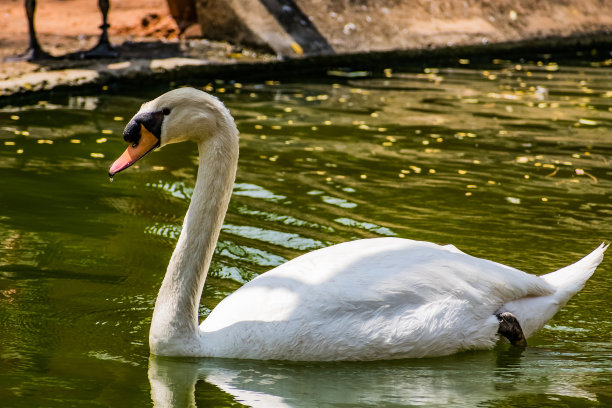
510,328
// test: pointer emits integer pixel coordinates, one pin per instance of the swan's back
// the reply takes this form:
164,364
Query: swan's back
369,299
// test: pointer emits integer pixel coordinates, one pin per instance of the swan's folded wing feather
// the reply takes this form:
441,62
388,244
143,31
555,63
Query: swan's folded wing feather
371,299
381,272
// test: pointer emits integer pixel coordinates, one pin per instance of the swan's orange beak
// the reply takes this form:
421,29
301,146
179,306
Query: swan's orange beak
136,151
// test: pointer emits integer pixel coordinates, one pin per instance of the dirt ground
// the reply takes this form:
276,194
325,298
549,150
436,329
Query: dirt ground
138,28
70,25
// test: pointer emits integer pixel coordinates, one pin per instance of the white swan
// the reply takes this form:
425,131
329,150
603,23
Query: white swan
370,299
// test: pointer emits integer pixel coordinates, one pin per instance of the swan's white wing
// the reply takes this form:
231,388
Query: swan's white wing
369,299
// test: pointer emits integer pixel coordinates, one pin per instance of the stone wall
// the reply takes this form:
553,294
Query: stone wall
319,27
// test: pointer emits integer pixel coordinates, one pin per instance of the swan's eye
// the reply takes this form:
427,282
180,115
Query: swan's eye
166,111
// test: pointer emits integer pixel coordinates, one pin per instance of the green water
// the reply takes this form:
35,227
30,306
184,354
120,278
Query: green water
509,162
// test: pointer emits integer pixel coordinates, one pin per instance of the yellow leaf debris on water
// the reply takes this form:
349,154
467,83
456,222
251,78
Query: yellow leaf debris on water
45,141
14,117
107,132
552,67
97,155
587,122
416,169
101,140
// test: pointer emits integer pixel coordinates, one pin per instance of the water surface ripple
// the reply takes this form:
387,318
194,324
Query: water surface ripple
510,162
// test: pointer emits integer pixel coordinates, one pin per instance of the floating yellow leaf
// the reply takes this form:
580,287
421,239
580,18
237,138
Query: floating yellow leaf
416,169
587,122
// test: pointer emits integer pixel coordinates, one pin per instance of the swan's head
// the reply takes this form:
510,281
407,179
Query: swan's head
176,116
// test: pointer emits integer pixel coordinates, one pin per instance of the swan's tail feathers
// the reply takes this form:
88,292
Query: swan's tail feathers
569,280
534,311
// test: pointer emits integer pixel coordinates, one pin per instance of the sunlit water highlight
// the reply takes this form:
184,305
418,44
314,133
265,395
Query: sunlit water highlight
510,163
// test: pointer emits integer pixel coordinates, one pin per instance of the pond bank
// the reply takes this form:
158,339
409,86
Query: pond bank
204,60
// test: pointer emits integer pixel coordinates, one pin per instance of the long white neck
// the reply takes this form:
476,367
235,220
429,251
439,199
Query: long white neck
174,327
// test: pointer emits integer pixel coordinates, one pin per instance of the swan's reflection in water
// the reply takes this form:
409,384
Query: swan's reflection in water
465,379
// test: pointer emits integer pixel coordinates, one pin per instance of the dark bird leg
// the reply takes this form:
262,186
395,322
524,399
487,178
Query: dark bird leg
103,49
510,328
34,51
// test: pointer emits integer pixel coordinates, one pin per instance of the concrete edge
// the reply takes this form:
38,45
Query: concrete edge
149,71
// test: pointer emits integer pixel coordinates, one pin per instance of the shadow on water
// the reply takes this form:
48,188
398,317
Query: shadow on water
467,379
